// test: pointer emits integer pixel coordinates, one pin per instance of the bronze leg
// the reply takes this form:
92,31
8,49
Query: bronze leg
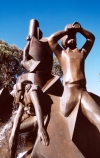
90,109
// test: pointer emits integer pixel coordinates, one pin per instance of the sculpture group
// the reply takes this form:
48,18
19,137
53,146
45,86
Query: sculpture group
33,91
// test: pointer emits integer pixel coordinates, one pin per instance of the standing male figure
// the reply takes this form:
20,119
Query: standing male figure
72,62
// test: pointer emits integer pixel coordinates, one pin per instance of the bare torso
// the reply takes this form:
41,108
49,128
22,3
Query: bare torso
72,63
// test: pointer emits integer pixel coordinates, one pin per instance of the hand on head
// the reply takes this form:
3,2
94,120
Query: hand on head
76,25
68,27
72,29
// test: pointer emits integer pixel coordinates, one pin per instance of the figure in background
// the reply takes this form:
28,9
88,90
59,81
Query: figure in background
29,113
72,62
37,55
38,61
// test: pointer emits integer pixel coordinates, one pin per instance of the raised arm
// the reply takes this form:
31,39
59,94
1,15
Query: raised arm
89,39
53,41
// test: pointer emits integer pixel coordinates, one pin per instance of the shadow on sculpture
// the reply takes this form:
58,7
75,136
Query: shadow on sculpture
75,95
72,62
29,116
5,103
30,90
51,120
86,137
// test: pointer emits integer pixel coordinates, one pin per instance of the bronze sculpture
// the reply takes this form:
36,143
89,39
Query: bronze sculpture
38,60
37,109
29,101
72,62
37,55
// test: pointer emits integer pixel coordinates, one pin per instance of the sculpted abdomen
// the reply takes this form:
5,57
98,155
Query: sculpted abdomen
73,66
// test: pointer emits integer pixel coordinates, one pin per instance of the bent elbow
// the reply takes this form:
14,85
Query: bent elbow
51,37
52,40
93,38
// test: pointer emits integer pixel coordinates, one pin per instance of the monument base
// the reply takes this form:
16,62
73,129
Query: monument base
72,137
61,145
86,136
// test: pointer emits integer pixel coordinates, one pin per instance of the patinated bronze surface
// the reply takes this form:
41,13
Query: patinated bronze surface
29,89
72,62
49,119
37,55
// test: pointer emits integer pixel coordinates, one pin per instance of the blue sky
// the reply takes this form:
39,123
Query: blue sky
53,15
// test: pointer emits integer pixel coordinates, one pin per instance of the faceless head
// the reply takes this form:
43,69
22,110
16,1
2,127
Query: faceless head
68,41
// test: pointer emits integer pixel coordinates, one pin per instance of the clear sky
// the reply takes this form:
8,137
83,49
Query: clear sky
53,15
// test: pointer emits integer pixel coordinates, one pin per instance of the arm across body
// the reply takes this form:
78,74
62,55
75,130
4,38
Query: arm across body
71,30
53,41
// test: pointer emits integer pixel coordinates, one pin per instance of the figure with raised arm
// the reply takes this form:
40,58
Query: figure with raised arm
72,62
